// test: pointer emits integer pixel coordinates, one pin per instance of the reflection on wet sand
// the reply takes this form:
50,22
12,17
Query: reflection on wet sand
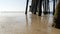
19,23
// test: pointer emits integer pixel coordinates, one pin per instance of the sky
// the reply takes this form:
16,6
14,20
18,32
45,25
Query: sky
15,5
12,5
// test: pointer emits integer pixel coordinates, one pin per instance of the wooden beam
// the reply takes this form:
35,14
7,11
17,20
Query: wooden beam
26,6
53,7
